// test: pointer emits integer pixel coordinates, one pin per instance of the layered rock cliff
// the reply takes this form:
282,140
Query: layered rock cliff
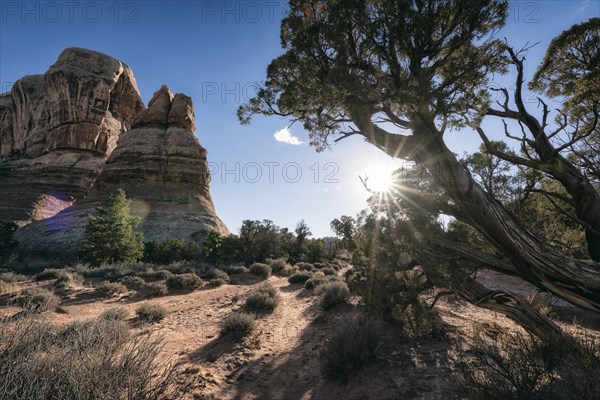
151,153
57,129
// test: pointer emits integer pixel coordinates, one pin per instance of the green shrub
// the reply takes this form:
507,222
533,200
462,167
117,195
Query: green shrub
160,275
155,289
115,314
215,273
300,277
278,266
238,325
111,288
329,271
171,250
110,236
304,266
38,300
332,294
235,269
264,299
66,279
351,348
189,281
90,360
260,269
151,312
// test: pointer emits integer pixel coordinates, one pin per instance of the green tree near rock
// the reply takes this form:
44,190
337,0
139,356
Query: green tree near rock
110,234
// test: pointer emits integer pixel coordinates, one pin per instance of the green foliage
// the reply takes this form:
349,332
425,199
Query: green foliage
263,239
345,228
260,269
263,299
110,235
189,281
238,325
304,266
571,68
315,250
171,250
332,293
151,312
351,348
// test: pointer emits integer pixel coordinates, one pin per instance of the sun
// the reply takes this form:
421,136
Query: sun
379,179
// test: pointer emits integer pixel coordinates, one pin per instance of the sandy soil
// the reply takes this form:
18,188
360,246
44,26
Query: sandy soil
281,360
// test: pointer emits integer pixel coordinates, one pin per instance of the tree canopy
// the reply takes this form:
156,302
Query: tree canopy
402,73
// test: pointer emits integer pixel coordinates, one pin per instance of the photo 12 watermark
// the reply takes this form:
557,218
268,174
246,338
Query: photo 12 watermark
273,172
250,12
53,12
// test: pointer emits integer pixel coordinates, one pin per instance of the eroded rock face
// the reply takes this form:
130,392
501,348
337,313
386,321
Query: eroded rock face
57,130
161,166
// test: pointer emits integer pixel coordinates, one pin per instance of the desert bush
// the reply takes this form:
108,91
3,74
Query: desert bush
351,348
417,320
115,314
160,275
48,273
277,266
235,269
189,281
66,279
332,294
151,312
133,281
329,271
260,269
90,360
315,281
111,288
11,277
217,282
582,376
509,367
238,325
37,300
304,266
215,273
264,298
300,277
155,289
5,288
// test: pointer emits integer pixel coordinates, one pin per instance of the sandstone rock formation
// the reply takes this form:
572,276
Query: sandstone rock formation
57,129
158,162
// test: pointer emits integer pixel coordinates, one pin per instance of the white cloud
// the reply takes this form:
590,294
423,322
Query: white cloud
285,136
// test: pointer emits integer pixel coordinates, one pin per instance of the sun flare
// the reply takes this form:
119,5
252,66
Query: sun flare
379,179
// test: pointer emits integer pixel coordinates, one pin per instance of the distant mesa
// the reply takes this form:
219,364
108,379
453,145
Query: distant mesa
71,137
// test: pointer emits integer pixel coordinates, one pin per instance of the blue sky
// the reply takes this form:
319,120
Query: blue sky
215,51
